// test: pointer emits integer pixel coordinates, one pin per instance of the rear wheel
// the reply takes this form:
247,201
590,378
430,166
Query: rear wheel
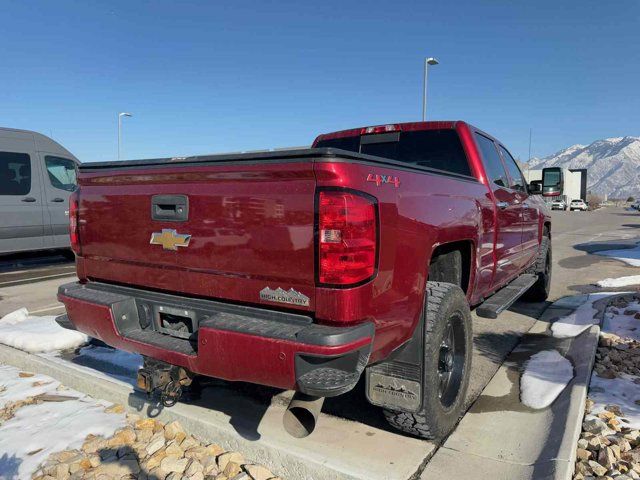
539,291
68,254
447,364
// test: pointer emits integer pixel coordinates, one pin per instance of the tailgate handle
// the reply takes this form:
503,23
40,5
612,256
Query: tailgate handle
170,208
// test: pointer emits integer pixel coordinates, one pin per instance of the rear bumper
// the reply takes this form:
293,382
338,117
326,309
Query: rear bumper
230,342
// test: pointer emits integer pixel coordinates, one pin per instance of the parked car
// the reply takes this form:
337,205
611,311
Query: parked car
37,176
360,256
578,205
559,205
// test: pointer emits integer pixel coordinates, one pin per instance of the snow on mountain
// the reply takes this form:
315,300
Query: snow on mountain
613,165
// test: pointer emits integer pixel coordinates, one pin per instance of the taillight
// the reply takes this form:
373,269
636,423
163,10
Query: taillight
73,223
347,237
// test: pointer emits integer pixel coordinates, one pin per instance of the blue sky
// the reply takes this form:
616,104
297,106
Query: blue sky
203,77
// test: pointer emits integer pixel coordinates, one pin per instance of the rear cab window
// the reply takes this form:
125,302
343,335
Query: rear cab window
438,149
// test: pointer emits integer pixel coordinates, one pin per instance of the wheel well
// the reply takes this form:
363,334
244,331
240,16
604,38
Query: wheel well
451,263
547,229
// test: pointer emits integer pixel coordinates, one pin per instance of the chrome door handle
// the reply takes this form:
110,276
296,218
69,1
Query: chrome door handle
502,205
58,200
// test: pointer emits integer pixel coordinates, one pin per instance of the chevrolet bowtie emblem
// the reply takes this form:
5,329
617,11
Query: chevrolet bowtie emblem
170,239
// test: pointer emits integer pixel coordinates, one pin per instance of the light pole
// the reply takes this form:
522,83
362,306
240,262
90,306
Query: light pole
427,62
120,115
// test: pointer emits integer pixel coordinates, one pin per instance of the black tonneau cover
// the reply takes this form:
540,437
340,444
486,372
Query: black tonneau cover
278,156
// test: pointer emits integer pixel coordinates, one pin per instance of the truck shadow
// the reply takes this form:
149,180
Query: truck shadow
122,463
244,404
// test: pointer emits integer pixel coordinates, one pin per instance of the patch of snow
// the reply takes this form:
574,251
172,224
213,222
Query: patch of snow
576,322
630,256
545,376
619,282
34,334
625,326
621,391
37,431
14,388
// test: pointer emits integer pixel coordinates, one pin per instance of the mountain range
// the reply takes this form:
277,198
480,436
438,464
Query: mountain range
613,165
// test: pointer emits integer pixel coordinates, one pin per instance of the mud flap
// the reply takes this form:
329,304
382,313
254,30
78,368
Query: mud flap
397,383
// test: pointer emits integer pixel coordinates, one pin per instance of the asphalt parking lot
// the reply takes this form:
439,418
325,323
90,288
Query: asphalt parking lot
33,282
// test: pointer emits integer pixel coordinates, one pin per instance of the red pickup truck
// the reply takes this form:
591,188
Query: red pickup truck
310,269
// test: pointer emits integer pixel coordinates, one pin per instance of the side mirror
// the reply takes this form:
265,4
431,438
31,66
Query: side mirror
535,188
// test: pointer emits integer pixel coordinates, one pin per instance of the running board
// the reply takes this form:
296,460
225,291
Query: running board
506,296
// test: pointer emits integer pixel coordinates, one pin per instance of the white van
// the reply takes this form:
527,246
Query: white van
37,176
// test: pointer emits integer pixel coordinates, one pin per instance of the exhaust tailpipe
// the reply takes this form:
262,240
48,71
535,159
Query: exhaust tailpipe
302,415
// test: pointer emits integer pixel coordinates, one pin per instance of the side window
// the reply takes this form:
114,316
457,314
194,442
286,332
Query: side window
492,162
15,173
62,172
517,180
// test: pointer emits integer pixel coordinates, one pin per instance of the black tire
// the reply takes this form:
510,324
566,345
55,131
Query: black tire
68,254
539,291
446,309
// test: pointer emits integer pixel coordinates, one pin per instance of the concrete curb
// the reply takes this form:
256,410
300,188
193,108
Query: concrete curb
339,449
504,439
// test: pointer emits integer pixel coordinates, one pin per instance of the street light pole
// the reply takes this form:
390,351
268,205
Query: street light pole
120,115
427,62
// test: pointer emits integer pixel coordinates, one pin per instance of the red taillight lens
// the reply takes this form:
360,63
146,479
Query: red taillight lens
73,223
347,237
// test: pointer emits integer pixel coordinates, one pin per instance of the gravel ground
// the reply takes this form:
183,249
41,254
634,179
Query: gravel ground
148,449
608,447
145,449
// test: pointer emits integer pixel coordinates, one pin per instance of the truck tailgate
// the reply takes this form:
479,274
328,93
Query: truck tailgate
250,227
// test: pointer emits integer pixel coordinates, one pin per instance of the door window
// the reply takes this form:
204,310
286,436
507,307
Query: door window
517,180
62,172
15,173
492,163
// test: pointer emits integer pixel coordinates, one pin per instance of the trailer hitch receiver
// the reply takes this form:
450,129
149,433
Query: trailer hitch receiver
167,379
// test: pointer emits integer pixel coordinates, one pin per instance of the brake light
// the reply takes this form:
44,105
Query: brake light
73,223
379,129
347,237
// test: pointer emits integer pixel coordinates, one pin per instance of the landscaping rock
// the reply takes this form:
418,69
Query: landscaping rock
594,425
147,449
173,430
607,448
227,457
258,472
171,463
155,443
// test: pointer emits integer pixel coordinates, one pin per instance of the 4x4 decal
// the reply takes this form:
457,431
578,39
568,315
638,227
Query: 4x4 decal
381,179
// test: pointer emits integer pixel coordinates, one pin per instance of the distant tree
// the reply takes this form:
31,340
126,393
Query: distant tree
594,201
631,199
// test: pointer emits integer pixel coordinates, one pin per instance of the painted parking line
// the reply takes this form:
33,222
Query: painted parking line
49,308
